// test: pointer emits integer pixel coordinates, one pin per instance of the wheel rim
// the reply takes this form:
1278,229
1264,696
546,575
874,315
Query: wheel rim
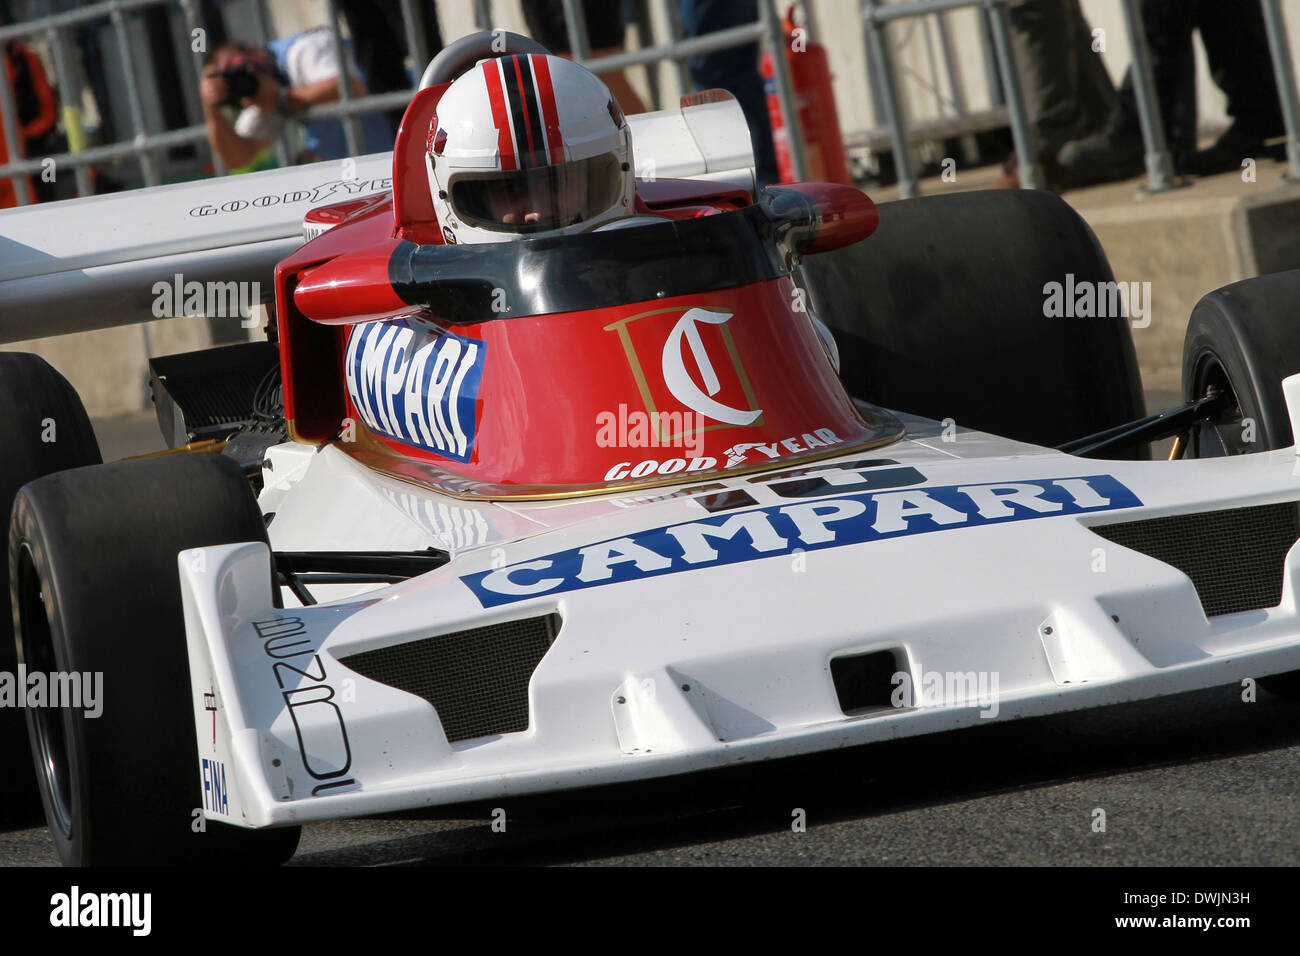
1221,435
36,651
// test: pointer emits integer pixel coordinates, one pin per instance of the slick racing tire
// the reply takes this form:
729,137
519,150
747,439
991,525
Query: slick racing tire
43,429
94,579
1243,340
945,312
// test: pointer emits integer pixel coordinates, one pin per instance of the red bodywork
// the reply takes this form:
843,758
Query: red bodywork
650,392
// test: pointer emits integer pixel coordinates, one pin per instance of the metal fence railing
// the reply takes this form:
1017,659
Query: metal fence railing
1002,72
144,146
1284,73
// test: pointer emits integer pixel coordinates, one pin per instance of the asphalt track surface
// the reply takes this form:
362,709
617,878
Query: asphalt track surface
1199,779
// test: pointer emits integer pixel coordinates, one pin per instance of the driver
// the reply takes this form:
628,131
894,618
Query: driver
528,145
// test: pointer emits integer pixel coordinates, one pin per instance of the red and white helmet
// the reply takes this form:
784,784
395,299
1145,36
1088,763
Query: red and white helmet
528,145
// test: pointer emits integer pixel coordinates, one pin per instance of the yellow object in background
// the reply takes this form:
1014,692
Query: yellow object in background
73,129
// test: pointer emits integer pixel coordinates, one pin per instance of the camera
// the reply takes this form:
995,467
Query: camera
241,81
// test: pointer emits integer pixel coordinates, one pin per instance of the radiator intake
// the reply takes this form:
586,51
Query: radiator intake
1234,557
477,680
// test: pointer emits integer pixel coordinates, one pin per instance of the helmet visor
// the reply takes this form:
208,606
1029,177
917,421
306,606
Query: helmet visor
538,200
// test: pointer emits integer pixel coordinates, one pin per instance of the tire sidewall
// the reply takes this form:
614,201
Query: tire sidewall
1248,328
32,393
1209,342
25,535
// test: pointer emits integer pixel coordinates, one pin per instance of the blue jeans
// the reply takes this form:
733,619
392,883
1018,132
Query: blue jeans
734,70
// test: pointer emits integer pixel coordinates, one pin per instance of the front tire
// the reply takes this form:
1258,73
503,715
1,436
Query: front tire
1241,341
43,429
94,581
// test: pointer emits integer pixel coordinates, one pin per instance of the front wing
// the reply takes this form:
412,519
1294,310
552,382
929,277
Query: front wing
732,662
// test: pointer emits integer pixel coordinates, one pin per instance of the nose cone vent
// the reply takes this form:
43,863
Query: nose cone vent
477,680
865,682
1234,557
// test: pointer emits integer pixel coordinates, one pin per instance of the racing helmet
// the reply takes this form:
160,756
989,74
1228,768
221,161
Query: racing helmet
528,145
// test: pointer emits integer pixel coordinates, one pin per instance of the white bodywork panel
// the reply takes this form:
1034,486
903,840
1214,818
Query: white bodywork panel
706,141
716,663
111,249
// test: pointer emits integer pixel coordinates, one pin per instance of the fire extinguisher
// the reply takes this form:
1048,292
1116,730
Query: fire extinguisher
810,75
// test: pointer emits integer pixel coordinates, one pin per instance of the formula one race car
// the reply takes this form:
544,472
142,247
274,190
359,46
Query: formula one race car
604,500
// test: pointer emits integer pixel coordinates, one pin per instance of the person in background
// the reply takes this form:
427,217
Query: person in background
378,33
1067,92
270,85
605,29
1236,47
37,113
735,70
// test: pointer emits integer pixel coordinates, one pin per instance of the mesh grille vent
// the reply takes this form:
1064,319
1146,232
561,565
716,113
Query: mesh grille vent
1233,557
477,680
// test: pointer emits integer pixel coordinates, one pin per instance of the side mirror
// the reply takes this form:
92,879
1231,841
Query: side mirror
819,217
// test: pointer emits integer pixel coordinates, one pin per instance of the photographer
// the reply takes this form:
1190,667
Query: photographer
272,84
37,112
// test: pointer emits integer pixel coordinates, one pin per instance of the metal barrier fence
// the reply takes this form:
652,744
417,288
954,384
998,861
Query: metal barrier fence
768,27
1160,169
144,145
999,64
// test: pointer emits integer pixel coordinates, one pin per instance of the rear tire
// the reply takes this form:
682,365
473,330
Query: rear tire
43,429
93,575
942,313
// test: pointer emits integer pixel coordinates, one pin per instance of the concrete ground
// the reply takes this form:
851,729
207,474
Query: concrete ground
127,434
